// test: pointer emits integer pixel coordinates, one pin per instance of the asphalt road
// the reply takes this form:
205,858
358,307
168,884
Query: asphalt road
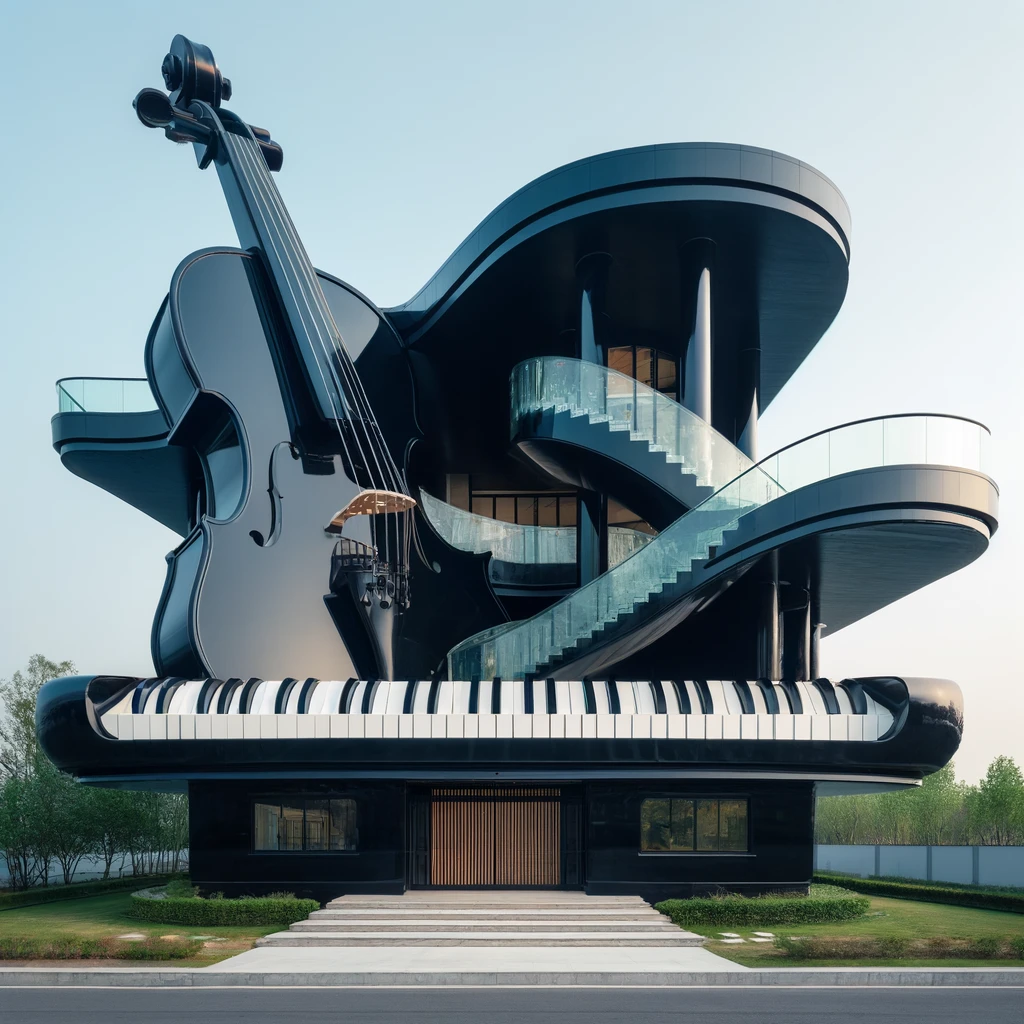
512,1006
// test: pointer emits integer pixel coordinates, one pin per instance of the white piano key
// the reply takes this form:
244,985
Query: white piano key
719,702
339,726
871,724
839,727
291,706
623,726
460,698
356,726
819,727
158,727
250,727
471,726
813,700
540,697
488,725
605,725
659,726
174,727
305,727
268,727
563,698
785,727
405,730
802,727
390,726
256,698
748,727
483,697
577,698
627,697
126,727
236,727
856,727
445,698
421,697
730,726
843,699
766,727
373,727
642,726
522,726
395,697
713,726
696,726
455,726
589,726
541,726
574,726
287,727
503,726
513,697
691,691
760,707
601,705
152,698
438,727
421,725
380,697
557,726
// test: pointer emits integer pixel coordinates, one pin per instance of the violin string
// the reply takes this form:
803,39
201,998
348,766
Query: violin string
367,420
313,295
285,227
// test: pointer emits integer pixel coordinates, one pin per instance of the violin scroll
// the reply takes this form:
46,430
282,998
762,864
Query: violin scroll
195,82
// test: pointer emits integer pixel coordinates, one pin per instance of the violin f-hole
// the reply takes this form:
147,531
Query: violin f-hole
276,499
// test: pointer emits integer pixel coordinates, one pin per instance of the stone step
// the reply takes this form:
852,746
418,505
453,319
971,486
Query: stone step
473,913
562,927
463,938
344,903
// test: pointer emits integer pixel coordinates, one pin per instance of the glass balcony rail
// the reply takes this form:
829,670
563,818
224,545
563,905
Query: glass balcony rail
105,394
607,396
631,589
520,544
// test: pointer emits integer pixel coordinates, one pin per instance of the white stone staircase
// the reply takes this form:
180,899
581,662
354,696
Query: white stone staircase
485,918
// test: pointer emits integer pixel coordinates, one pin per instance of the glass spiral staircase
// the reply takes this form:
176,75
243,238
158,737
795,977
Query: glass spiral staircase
662,573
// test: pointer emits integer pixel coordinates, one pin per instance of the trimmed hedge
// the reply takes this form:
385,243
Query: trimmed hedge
75,891
194,910
896,947
908,889
825,903
70,947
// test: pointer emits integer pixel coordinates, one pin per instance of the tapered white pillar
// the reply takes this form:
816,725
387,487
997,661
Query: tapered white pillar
748,407
697,372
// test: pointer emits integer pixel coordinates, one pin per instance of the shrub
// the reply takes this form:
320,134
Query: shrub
74,891
70,947
928,892
194,910
181,887
824,904
896,947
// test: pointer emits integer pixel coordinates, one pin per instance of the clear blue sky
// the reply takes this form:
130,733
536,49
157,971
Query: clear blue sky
404,124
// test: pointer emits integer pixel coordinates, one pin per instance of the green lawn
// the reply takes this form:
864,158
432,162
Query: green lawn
107,916
886,917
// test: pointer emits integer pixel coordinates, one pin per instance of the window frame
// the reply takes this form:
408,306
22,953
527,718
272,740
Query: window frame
718,797
290,798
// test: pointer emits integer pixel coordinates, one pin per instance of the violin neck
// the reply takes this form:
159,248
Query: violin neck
264,226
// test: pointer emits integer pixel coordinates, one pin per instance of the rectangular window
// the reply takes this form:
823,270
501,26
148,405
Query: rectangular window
672,825
297,825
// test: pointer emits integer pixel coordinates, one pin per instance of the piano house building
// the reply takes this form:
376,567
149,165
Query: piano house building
569,635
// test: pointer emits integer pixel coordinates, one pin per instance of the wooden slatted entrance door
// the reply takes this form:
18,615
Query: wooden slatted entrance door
495,837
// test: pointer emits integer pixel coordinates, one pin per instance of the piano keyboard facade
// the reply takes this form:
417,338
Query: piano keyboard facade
442,709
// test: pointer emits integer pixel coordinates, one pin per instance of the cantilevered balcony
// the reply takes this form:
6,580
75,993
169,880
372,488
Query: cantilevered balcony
110,432
909,494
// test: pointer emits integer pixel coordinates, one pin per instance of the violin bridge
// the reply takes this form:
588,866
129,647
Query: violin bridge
370,503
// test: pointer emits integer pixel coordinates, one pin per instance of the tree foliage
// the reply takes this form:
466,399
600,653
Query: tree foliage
48,821
942,812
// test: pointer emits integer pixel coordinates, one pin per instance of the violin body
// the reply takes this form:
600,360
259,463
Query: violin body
230,606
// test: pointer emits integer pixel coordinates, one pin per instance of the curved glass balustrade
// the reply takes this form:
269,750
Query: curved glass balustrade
518,544
632,590
606,396
105,394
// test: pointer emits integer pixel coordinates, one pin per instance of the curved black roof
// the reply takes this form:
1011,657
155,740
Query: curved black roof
784,226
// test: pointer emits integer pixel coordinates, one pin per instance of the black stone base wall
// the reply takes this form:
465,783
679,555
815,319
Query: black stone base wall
780,857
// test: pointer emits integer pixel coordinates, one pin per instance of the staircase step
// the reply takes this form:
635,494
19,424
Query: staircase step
344,925
468,938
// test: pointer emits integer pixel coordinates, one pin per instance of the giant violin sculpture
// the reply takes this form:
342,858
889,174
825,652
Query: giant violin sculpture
299,493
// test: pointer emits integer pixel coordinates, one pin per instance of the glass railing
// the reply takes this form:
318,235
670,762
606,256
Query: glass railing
607,396
105,394
522,545
633,586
